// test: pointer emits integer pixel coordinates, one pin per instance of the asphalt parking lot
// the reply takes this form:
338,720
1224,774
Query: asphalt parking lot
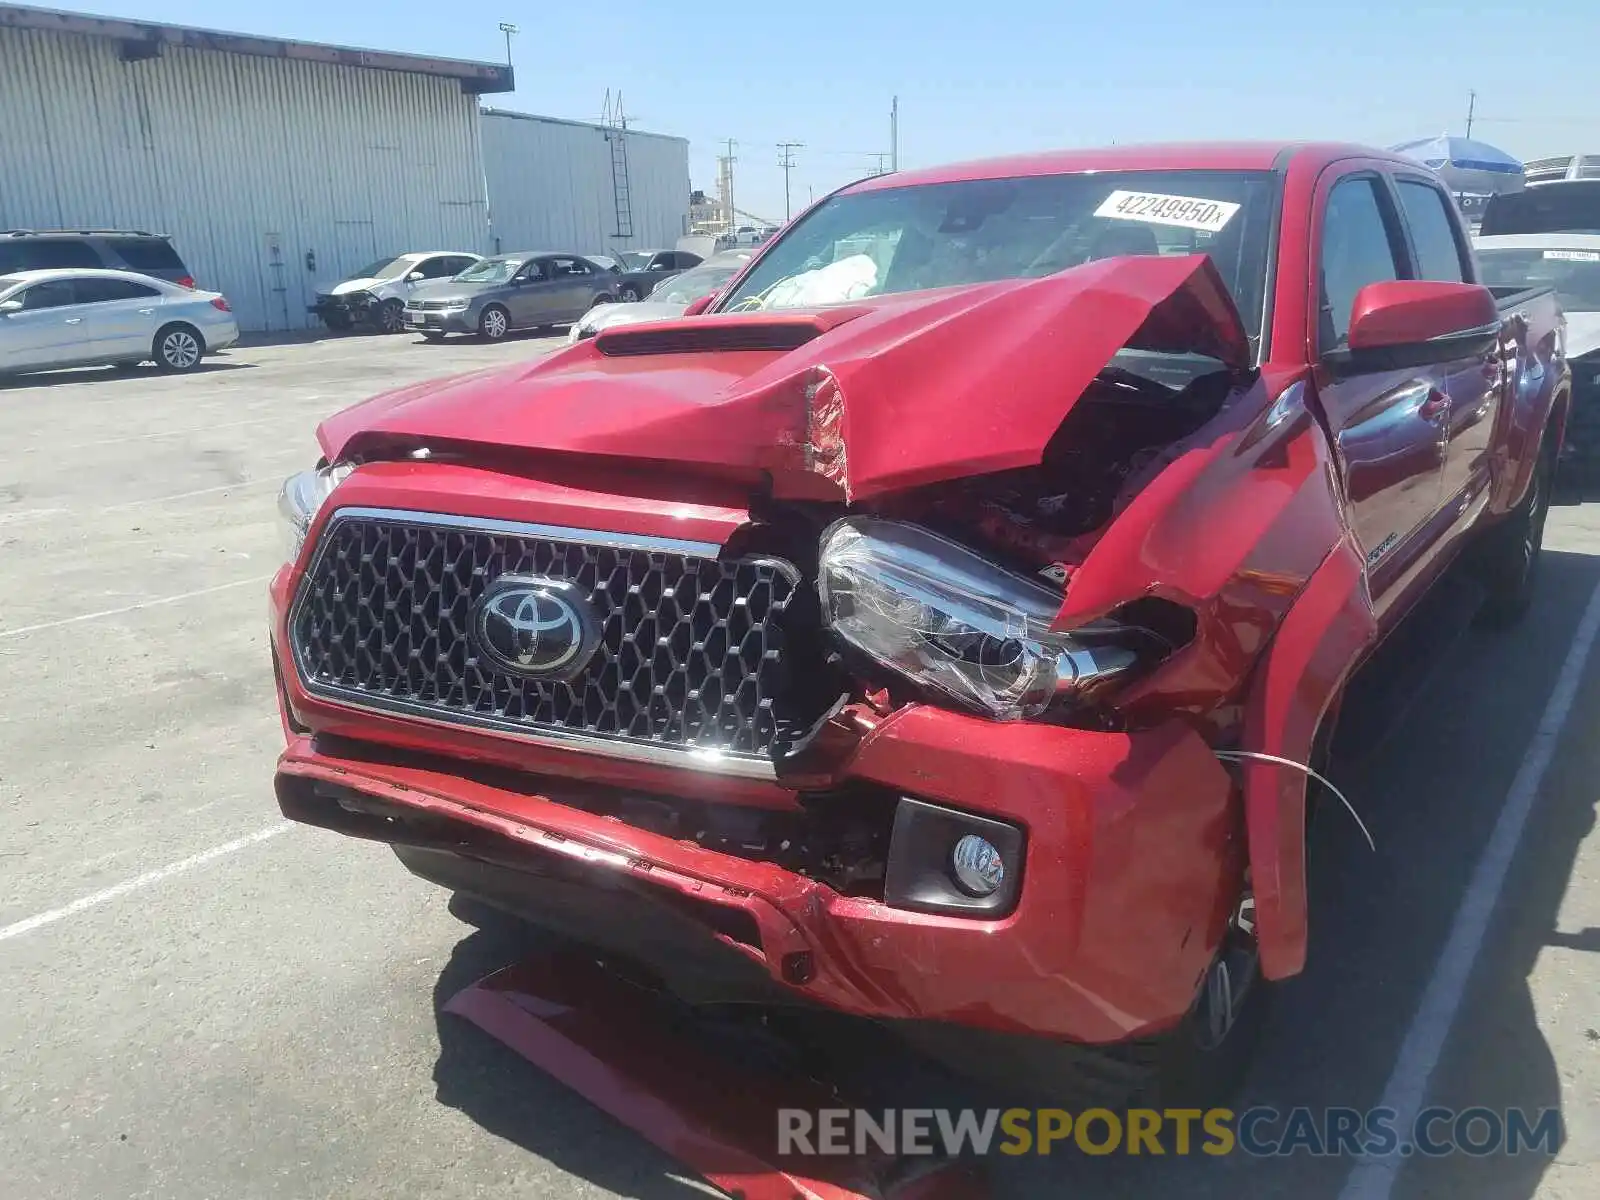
203,1001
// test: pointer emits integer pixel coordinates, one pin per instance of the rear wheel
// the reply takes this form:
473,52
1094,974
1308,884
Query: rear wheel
602,298
495,323
1510,550
178,348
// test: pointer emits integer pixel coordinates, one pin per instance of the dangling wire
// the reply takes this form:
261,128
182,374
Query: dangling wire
1242,755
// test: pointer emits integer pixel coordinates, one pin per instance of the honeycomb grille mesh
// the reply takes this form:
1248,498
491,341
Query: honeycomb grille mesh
690,655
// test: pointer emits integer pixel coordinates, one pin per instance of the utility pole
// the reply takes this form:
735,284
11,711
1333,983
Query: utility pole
725,185
894,134
1472,104
880,169
510,31
787,149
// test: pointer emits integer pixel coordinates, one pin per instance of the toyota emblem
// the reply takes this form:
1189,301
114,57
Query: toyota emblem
536,626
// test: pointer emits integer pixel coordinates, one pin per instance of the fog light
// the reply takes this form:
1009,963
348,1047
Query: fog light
977,865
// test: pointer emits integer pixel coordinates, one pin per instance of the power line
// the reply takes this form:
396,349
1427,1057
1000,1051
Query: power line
786,150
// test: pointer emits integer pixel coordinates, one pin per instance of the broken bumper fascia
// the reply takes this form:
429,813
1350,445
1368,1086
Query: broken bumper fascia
1132,864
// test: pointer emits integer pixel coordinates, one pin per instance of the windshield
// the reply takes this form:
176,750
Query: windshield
635,260
685,289
903,239
1574,273
382,268
490,270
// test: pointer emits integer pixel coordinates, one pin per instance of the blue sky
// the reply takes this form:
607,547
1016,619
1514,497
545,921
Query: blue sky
981,79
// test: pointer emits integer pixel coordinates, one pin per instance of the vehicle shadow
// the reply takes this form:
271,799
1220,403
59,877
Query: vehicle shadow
109,374
1431,795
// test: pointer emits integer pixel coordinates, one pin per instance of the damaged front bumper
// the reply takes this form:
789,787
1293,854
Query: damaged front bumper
1130,842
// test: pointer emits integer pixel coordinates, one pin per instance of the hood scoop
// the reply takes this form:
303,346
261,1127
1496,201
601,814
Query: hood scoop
701,335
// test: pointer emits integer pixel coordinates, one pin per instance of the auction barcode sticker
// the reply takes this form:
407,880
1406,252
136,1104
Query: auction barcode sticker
1574,255
1153,208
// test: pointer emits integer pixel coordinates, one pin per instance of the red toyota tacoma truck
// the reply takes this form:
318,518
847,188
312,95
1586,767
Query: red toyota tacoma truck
939,626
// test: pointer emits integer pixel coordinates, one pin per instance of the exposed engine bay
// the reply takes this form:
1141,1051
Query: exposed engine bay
1123,432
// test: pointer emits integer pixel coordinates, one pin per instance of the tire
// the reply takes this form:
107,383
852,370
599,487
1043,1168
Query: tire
602,298
1509,566
391,317
1201,1062
178,348
627,293
494,323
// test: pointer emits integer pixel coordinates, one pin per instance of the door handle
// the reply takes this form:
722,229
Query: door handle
74,320
146,312
1435,404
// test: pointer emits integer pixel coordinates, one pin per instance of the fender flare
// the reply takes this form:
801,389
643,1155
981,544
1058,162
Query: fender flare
1323,638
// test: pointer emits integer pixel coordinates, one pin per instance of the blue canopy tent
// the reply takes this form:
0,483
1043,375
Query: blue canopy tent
1466,166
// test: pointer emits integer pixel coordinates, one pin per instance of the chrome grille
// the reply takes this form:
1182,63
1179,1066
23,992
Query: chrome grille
690,656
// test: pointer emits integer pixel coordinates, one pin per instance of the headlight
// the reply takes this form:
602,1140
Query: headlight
954,623
456,305
302,497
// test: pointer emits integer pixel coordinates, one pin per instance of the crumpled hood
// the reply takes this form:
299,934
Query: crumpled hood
873,396
345,286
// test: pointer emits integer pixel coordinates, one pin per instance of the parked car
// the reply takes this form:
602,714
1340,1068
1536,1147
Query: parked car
51,319
1569,263
614,265
1562,206
643,269
668,299
491,298
942,634
93,249
376,294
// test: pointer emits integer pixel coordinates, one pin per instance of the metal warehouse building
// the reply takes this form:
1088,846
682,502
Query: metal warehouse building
270,163
277,164
557,184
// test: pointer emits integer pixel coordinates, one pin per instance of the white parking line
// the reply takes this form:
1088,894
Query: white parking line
29,924
221,487
1407,1089
145,437
128,608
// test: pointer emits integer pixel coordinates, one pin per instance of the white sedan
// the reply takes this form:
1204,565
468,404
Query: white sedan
669,299
75,318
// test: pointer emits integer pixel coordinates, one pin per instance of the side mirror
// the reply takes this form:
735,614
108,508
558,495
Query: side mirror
7,307
1415,322
699,306
415,277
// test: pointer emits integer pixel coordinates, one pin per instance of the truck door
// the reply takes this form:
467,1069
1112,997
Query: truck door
1472,386
1388,426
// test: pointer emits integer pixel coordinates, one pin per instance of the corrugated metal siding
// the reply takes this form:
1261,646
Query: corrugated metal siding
550,186
249,163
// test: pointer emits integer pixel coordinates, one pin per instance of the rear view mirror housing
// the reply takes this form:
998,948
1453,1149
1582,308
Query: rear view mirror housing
7,307
699,306
415,277
1415,322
